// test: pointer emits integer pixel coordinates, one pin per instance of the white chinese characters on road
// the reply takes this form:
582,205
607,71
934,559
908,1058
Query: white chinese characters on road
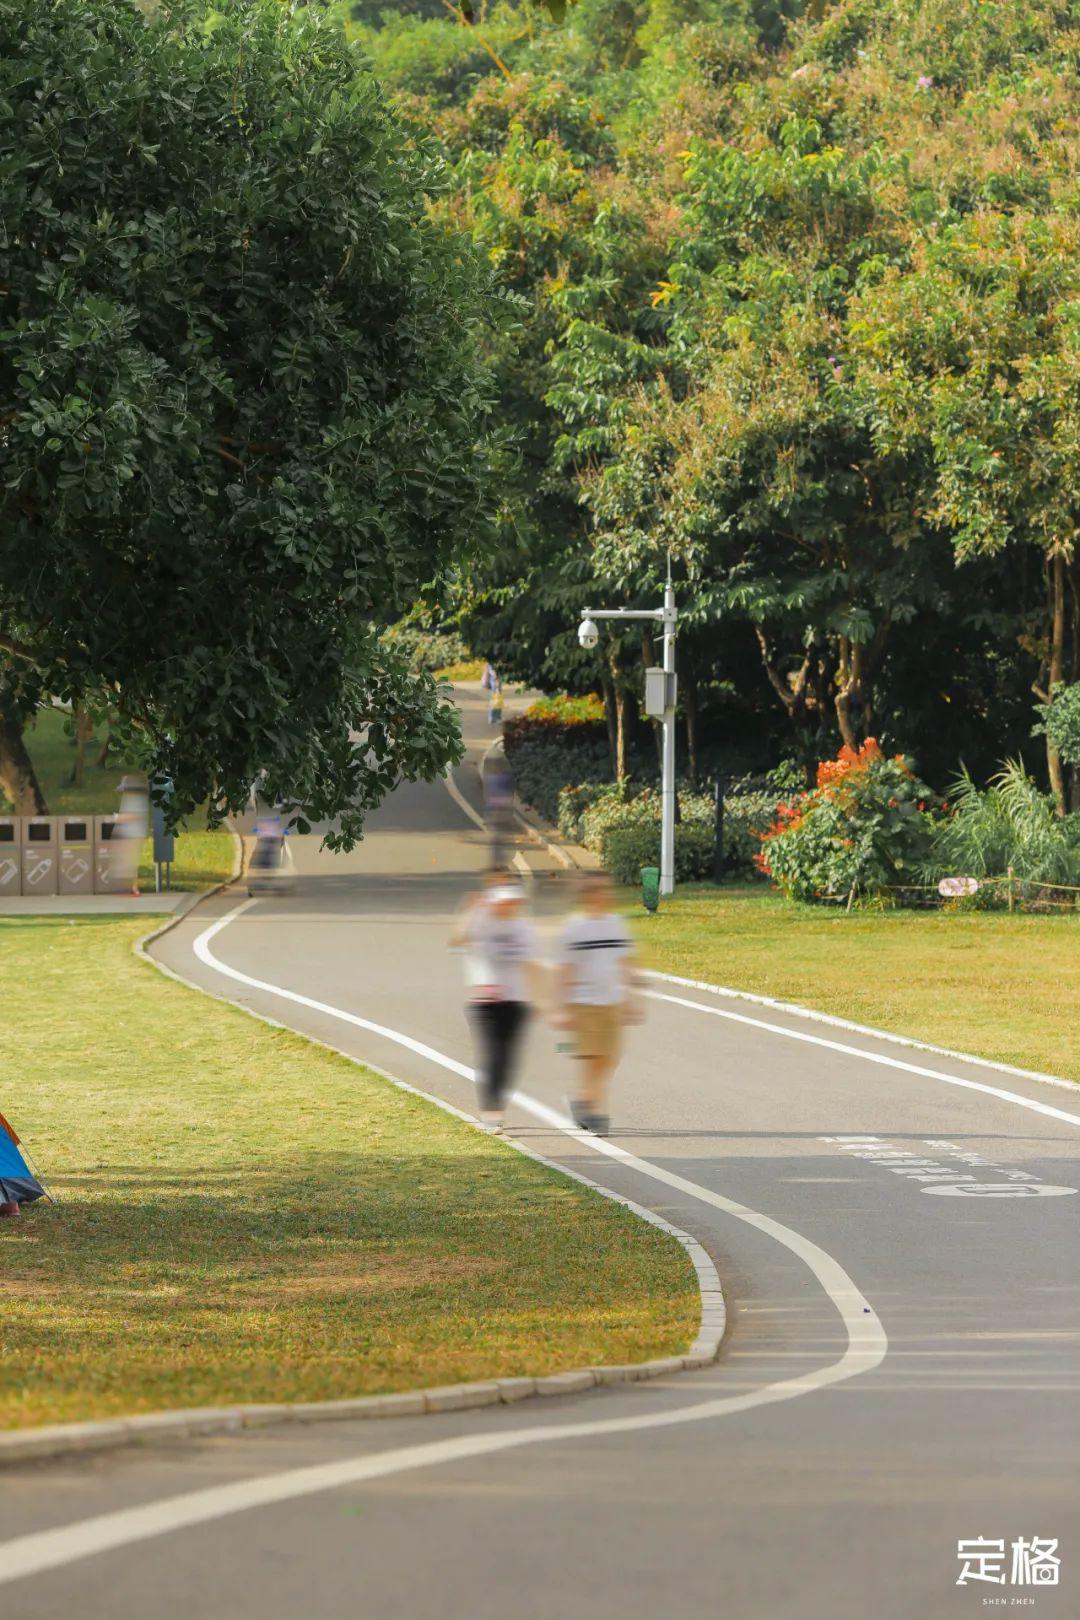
934,1176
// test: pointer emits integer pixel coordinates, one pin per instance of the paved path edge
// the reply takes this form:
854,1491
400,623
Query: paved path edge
60,1439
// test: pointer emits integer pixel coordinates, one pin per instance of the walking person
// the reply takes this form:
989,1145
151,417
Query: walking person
498,808
491,682
597,984
503,975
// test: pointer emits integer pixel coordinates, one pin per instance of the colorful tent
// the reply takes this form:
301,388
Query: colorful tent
17,1185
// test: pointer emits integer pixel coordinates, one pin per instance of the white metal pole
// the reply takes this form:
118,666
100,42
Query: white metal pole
667,786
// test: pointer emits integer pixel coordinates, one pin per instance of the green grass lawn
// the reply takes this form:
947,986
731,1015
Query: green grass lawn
999,986
202,857
52,751
246,1217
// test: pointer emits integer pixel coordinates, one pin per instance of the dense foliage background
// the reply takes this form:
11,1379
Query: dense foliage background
800,307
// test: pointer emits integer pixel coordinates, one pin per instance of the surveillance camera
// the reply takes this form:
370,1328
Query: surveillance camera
588,635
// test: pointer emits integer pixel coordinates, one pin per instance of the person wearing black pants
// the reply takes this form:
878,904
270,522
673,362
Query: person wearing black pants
497,1030
502,969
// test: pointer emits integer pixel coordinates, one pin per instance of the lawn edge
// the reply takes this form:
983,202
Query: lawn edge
565,855
794,1009
60,1439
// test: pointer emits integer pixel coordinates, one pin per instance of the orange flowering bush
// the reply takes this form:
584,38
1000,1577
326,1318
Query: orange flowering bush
862,829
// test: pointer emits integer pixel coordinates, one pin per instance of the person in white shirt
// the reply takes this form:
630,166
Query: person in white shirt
597,979
502,980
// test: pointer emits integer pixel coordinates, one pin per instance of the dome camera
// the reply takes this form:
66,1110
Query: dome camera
588,635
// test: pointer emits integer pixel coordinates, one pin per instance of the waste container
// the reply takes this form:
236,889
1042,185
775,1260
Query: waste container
10,855
39,862
76,854
109,874
650,887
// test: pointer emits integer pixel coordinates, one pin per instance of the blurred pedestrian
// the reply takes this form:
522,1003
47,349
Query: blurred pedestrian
492,685
597,996
502,984
498,807
129,831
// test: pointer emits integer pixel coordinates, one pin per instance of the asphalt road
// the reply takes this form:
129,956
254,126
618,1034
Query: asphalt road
901,1370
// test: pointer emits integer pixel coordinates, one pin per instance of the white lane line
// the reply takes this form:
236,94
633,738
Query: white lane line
869,1057
866,1348
463,804
50,1549
793,1009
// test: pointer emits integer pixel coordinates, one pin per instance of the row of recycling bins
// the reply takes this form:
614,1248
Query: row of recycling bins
69,854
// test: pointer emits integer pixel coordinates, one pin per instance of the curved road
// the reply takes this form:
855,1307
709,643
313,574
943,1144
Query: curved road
901,1370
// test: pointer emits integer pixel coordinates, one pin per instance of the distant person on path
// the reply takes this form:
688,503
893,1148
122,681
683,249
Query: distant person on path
498,807
492,685
598,979
502,984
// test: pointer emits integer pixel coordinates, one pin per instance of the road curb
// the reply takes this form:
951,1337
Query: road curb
190,901
69,1439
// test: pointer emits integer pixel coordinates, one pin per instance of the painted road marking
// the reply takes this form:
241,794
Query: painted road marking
999,1189
880,1058
903,1162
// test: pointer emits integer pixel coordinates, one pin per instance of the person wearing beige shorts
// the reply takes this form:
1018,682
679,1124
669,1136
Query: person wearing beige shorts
597,980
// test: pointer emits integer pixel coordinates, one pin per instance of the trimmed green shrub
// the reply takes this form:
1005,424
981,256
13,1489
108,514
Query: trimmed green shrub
573,802
557,741
625,849
747,818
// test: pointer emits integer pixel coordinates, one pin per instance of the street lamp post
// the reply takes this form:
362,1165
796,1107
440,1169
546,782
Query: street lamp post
588,635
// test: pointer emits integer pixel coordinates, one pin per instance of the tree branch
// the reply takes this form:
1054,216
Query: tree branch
17,649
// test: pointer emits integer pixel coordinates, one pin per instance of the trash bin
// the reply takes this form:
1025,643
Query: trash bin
10,855
76,854
109,876
39,862
650,887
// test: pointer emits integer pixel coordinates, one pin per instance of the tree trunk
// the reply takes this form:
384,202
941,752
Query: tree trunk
803,697
846,692
854,690
1056,568
17,777
688,677
1074,598
622,732
607,686
103,758
84,730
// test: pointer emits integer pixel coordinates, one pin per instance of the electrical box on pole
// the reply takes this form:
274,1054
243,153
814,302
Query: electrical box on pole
660,692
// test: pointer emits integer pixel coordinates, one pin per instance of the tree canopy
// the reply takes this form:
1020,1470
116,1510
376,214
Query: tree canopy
243,415
801,313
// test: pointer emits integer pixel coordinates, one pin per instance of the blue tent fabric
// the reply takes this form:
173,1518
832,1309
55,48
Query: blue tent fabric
17,1185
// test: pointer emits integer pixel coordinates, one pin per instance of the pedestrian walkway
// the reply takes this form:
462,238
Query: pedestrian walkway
93,905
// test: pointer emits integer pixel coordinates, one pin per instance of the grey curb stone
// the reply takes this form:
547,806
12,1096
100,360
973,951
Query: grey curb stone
625,1373
516,1389
197,1420
662,1367
453,1397
567,1383
58,1437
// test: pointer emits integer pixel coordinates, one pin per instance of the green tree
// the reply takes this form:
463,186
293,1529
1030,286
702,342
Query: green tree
242,415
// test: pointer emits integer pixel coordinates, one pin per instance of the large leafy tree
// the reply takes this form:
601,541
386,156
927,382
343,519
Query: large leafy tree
242,415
